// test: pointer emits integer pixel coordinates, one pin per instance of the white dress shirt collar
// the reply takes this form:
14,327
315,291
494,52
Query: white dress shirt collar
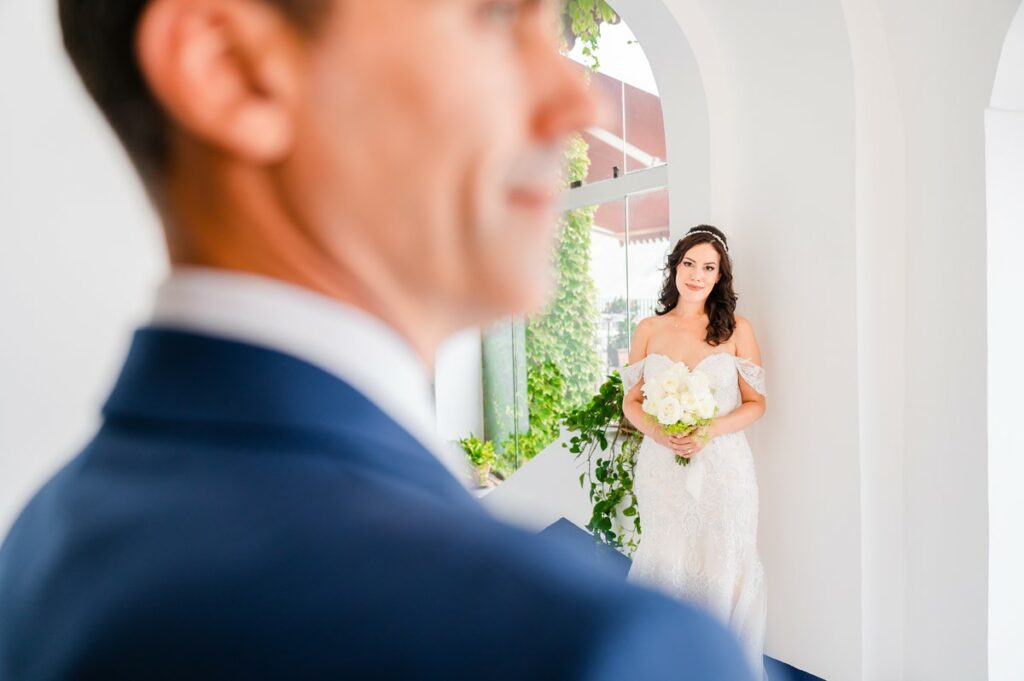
341,339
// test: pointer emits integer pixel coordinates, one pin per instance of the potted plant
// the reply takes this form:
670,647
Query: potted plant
481,455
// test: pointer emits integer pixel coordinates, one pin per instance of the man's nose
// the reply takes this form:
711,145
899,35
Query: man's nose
567,104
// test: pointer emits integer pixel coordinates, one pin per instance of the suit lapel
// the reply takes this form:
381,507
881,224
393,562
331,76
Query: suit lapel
174,376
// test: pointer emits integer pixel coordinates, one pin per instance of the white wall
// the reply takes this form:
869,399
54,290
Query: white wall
920,195
944,60
1006,378
79,254
458,386
780,88
1004,126
881,309
545,489
1008,89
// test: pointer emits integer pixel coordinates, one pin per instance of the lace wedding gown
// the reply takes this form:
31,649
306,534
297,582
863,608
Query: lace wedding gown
699,522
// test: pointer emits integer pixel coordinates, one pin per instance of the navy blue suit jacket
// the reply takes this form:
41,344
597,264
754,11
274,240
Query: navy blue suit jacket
242,514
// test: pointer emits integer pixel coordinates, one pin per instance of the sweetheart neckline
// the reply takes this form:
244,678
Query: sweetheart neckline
697,365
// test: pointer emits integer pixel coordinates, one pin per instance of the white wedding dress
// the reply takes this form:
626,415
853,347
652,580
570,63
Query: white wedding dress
699,522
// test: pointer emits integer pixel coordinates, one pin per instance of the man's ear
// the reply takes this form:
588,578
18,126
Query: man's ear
228,72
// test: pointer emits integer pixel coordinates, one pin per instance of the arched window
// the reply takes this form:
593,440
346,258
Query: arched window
614,238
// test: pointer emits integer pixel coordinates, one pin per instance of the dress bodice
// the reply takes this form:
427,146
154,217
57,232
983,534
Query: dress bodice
722,369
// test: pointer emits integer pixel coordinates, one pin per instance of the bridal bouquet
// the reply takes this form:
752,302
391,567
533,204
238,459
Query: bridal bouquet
680,401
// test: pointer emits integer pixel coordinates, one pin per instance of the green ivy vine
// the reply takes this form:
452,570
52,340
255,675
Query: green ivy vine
563,364
610,463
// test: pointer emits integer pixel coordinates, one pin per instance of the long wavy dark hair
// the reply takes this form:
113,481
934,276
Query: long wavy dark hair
721,304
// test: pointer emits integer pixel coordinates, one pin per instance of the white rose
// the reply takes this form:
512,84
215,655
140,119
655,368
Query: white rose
670,384
669,411
698,383
653,390
706,408
688,402
680,373
650,407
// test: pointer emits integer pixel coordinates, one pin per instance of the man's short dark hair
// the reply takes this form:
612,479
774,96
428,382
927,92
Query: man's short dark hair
99,36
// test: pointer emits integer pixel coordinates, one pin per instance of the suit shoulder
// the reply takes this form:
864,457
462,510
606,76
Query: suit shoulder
613,629
654,638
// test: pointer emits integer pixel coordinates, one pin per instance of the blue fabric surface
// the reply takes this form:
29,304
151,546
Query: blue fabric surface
242,514
567,532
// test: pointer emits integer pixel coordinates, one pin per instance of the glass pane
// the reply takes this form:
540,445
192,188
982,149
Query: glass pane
649,244
632,136
504,371
537,369
645,129
604,141
609,260
609,273
609,264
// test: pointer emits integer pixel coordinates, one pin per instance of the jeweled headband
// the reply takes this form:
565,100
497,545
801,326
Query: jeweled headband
712,234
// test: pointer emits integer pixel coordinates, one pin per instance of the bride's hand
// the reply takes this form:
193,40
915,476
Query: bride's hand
673,442
688,446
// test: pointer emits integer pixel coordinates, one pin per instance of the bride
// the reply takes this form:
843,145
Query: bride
699,521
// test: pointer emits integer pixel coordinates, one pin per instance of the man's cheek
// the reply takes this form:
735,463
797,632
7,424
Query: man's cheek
531,251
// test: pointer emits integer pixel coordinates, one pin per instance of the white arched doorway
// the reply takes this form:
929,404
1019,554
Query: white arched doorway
1004,132
779,151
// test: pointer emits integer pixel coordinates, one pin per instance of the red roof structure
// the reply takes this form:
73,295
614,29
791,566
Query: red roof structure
631,138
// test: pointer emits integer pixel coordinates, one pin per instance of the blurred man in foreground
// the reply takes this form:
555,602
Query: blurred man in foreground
343,184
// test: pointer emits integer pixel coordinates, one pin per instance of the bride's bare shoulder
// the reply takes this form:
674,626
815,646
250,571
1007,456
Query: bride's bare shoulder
644,330
649,326
744,340
649,323
744,329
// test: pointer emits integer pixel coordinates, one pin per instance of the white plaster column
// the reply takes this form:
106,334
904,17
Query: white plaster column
1004,130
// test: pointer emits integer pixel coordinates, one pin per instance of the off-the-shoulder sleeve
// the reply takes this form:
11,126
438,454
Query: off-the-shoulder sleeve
752,373
631,375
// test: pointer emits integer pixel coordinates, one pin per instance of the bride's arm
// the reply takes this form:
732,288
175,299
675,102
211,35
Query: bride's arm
753,406
632,402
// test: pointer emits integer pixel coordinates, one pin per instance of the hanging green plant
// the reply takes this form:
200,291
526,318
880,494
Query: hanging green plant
604,440
601,435
582,21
